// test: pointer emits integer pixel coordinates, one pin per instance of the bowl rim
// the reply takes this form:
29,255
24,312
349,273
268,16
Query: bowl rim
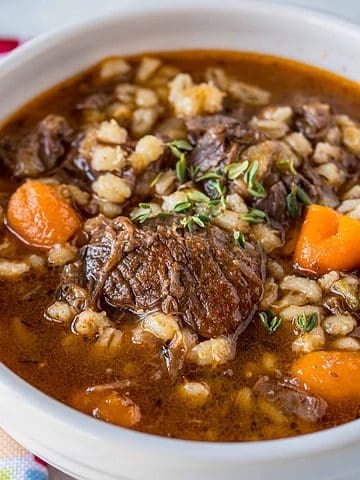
233,452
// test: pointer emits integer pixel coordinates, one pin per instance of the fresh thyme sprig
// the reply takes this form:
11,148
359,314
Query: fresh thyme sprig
270,321
198,209
239,238
287,164
182,207
180,168
255,216
144,215
178,147
211,175
235,170
199,219
306,323
156,179
254,188
295,199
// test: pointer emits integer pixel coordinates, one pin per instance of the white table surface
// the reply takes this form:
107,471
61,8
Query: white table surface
49,14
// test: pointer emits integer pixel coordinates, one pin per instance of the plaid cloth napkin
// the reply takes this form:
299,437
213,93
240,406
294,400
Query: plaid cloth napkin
15,462
18,464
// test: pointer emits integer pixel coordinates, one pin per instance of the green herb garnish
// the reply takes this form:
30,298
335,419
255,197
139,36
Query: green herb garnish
193,172
288,164
144,215
212,175
217,187
178,147
303,196
235,170
255,216
199,219
155,180
306,323
181,168
270,321
239,238
295,198
254,188
182,207
198,197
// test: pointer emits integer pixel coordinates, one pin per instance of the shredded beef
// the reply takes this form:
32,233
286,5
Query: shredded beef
31,153
211,150
292,400
219,140
314,120
203,276
274,204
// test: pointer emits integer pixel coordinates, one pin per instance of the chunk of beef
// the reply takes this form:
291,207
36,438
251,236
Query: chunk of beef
314,120
316,187
278,188
292,400
27,154
221,141
211,150
203,276
274,204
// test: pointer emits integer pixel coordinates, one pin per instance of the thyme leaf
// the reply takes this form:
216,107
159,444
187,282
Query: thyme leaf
199,219
181,168
144,214
182,207
155,180
178,147
255,216
254,188
239,238
235,170
295,198
291,203
303,196
306,323
193,172
198,197
212,175
217,186
288,164
270,321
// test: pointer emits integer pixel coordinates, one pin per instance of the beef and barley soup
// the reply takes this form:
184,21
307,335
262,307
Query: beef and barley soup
180,245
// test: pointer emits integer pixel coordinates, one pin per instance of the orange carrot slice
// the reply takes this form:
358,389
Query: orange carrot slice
108,405
332,375
40,215
328,241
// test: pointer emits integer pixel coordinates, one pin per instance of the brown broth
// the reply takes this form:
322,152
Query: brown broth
60,367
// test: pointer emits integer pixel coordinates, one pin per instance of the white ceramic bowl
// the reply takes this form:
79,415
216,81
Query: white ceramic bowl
93,450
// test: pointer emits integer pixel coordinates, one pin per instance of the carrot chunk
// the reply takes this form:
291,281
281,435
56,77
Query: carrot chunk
332,375
328,241
108,405
40,216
